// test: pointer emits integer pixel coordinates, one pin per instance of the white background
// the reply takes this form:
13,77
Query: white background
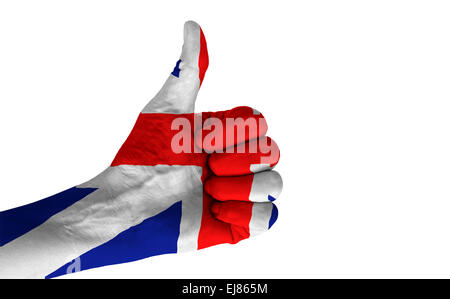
356,94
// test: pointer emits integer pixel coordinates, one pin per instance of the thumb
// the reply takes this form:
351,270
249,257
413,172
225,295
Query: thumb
179,92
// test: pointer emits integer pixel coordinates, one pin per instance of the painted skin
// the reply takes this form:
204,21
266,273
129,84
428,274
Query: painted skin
151,201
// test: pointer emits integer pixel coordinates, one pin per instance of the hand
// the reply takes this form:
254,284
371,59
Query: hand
175,185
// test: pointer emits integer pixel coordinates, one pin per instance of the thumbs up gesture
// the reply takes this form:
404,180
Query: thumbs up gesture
181,181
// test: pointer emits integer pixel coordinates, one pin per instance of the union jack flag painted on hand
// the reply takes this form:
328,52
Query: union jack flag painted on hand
153,199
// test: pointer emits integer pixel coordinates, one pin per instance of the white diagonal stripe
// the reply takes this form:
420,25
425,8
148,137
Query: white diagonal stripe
127,195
